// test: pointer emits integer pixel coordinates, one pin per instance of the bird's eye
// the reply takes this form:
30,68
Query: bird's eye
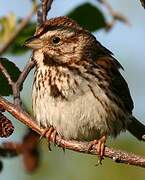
55,40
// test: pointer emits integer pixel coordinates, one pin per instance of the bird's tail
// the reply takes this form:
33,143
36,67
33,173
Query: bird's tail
136,128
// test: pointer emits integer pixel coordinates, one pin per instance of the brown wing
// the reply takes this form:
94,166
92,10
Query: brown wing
117,83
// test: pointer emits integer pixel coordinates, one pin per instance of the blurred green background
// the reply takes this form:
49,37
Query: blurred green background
128,45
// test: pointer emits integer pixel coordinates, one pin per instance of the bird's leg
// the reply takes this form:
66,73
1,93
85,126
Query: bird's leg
100,147
54,136
48,132
51,131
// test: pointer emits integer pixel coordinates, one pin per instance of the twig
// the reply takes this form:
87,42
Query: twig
25,72
46,6
17,111
42,15
9,149
115,155
6,74
116,16
16,86
28,149
19,83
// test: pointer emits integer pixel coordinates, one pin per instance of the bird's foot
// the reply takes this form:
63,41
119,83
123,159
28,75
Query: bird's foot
100,147
48,132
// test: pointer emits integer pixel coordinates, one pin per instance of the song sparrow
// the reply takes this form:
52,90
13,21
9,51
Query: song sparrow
78,89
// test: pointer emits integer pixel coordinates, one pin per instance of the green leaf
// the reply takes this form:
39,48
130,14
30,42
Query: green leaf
8,25
17,46
88,16
143,3
13,70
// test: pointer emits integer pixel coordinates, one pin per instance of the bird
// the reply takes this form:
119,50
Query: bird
78,90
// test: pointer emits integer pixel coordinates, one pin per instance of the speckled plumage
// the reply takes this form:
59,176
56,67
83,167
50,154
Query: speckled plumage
78,88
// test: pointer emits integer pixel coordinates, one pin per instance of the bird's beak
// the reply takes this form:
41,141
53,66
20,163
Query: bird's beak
34,43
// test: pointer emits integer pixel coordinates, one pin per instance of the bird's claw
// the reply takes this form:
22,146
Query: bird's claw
100,148
48,132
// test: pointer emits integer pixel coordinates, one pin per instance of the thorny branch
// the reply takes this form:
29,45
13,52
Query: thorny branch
17,111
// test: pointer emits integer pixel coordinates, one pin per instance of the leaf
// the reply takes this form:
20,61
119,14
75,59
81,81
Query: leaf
1,165
8,25
89,17
143,3
17,46
13,70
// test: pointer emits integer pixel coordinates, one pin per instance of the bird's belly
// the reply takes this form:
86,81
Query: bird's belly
84,118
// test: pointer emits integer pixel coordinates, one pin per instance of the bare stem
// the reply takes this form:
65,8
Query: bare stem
6,74
116,16
25,72
46,6
116,155
17,111
16,86
19,83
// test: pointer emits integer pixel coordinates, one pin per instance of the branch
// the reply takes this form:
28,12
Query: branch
16,86
6,74
46,6
25,72
116,16
28,149
115,155
9,149
42,15
17,111
19,83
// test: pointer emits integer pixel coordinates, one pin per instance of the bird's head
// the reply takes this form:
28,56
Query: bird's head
60,41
